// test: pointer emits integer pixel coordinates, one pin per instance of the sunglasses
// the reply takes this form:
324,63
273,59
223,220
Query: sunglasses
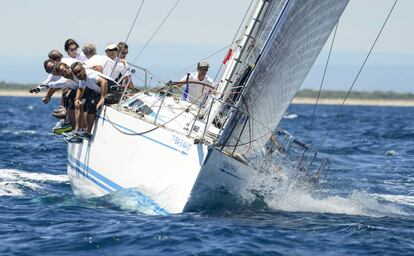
77,70
112,50
73,49
51,69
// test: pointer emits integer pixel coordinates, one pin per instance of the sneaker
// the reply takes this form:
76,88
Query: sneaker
62,128
58,124
72,133
74,138
59,109
61,113
84,135
87,136
68,134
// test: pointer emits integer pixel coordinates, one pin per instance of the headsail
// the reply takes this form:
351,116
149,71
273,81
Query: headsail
290,38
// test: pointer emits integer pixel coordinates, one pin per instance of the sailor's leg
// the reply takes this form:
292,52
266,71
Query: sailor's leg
90,119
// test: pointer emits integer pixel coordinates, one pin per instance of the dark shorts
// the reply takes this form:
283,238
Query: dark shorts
91,99
68,99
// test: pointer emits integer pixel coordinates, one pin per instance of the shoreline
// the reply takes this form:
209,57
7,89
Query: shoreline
296,100
24,93
355,102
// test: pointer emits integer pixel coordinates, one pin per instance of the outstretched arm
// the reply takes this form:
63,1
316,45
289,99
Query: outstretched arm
49,94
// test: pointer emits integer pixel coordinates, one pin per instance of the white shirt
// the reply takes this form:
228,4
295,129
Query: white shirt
114,68
95,60
196,90
91,80
64,83
53,78
69,61
50,78
81,57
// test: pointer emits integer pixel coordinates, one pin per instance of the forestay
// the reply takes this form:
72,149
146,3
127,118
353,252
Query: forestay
290,38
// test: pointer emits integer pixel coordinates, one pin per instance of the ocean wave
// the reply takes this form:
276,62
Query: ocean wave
357,203
295,196
400,199
130,200
18,132
290,116
15,182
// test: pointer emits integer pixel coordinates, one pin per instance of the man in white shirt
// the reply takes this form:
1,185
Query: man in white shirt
122,54
196,92
54,57
114,67
66,81
93,87
94,61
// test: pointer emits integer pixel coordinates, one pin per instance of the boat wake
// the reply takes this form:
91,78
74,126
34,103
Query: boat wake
400,199
131,200
16,182
288,195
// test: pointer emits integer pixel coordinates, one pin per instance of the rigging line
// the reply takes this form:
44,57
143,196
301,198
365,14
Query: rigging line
157,77
156,125
250,141
149,72
129,33
357,76
205,58
156,31
242,22
133,23
235,35
322,82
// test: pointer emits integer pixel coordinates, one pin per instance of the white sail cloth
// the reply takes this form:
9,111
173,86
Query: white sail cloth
289,48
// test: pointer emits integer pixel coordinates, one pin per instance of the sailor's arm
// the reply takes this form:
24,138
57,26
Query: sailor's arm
45,84
49,94
79,94
104,90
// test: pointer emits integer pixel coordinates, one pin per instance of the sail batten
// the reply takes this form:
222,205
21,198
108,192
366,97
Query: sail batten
288,42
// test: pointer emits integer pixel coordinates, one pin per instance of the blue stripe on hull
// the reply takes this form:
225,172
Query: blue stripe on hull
86,175
107,184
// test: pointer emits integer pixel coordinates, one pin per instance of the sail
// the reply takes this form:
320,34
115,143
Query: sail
289,41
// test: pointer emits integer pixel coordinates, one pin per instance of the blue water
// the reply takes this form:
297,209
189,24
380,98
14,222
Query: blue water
365,206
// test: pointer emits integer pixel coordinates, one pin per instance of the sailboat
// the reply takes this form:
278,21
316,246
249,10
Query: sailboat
177,155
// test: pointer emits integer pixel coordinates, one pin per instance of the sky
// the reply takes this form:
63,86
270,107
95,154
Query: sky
196,29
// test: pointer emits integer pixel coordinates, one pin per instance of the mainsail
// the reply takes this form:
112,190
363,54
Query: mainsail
289,38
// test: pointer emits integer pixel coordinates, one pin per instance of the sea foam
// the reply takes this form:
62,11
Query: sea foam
15,182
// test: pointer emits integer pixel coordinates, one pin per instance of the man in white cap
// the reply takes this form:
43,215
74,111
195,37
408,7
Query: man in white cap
196,92
114,67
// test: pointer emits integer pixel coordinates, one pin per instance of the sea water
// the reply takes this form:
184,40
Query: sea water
365,206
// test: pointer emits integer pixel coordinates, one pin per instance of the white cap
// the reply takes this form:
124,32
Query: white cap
111,47
203,64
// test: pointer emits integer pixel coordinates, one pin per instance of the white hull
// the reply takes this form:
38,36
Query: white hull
167,168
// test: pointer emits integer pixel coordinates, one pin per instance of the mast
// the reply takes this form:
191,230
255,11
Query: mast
287,42
242,49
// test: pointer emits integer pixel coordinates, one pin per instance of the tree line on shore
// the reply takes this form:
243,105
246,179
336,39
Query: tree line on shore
306,93
332,94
